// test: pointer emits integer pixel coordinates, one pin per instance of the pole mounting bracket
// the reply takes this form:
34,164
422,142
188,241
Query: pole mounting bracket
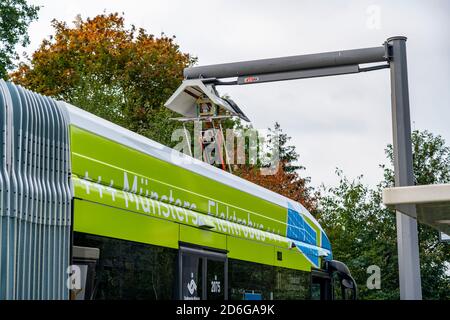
388,54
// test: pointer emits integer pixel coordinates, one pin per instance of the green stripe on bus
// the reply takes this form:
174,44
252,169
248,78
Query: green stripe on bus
122,224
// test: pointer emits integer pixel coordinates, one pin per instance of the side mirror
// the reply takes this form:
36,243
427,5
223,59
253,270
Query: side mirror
349,286
347,283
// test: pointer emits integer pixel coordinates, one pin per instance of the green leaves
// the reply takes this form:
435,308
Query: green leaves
15,17
363,232
431,159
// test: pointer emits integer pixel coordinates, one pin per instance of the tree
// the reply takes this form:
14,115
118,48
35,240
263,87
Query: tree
286,180
121,74
15,17
287,153
362,231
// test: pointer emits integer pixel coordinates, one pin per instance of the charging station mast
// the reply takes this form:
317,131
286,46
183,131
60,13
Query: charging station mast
392,55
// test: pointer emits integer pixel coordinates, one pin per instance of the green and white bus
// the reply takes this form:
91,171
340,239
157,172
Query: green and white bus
88,205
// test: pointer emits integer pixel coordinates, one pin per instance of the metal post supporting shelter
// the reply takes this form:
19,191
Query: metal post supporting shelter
391,55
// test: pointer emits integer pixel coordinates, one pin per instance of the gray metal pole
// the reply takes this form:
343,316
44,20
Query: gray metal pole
407,235
286,64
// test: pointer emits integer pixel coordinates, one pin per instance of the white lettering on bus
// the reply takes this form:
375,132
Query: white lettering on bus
180,210
126,184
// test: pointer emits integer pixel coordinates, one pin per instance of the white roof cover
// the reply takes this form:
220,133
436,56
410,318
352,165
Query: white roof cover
432,203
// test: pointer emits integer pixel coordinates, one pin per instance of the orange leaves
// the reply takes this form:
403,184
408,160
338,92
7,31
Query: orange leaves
105,47
288,184
102,34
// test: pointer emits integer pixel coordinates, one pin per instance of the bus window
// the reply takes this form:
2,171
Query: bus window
291,284
130,270
316,291
248,277
215,280
338,291
84,264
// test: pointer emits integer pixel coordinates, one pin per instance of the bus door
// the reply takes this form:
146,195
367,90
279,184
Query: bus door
203,274
320,285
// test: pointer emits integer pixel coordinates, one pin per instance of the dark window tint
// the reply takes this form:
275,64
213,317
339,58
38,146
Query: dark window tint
316,291
320,286
291,284
130,270
249,280
215,280
337,287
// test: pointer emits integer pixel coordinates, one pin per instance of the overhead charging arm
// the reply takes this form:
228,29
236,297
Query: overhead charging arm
293,67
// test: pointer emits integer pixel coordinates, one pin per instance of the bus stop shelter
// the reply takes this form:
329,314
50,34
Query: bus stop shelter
431,202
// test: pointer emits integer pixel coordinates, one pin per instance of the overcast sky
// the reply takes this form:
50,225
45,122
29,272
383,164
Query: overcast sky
340,121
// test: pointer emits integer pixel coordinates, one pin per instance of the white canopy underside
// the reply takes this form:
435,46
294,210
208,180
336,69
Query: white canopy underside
432,203
183,100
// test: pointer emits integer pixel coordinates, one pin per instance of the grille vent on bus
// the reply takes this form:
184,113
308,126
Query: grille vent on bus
35,195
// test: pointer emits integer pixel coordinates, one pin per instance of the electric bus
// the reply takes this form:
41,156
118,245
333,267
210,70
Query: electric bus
91,210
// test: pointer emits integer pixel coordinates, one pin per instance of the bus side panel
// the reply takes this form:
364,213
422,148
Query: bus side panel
203,238
111,222
249,250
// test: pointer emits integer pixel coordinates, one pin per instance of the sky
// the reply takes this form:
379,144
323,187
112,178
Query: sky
335,122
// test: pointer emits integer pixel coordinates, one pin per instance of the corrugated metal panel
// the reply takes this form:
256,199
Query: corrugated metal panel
7,224
35,195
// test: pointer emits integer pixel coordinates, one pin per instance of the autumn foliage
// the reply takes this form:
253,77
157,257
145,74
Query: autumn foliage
119,73
286,179
288,184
